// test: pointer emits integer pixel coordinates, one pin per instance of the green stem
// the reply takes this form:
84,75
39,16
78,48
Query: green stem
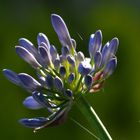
93,119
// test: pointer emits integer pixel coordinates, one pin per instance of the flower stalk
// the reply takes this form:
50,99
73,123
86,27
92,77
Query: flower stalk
91,116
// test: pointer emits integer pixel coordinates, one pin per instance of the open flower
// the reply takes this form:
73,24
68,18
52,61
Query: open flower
61,77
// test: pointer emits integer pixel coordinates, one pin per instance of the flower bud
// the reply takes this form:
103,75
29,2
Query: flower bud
53,52
68,93
61,30
80,56
95,43
42,38
11,76
110,67
62,71
71,77
33,122
84,67
49,81
73,43
58,83
88,80
28,82
56,63
28,46
97,60
65,51
45,56
41,99
31,103
109,50
71,60
27,56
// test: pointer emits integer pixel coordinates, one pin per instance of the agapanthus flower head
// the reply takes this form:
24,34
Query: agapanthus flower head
61,77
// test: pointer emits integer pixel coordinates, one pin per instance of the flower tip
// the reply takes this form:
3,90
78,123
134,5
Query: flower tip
114,45
56,19
11,76
42,38
4,70
99,33
55,16
116,40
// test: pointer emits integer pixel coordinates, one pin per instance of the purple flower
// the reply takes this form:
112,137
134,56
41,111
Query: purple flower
61,77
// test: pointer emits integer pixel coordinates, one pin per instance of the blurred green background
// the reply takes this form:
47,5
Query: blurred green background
118,105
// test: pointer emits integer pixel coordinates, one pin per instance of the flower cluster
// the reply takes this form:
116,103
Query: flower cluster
61,78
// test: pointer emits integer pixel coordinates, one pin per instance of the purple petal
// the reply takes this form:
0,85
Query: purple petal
97,60
28,82
84,67
58,83
62,71
42,38
68,93
56,63
41,99
27,56
31,103
71,77
88,80
53,52
65,52
104,53
109,50
11,76
42,80
49,81
28,46
61,30
71,60
34,122
80,56
44,55
113,45
95,43
110,67
73,43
